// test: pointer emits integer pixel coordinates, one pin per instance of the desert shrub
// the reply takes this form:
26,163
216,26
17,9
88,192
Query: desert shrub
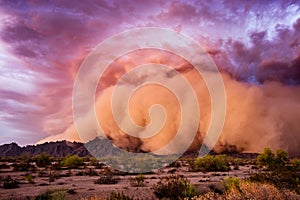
56,166
25,157
250,190
93,198
271,161
258,191
230,183
207,196
71,191
295,164
44,196
176,164
216,189
210,163
112,196
29,178
53,175
91,172
43,160
118,196
72,162
285,179
174,187
138,181
87,158
52,195
237,162
9,183
9,159
23,166
280,172
241,161
94,161
106,179
59,195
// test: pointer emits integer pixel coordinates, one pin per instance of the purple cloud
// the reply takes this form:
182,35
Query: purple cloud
44,43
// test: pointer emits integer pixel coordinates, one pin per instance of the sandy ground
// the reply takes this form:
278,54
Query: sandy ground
85,187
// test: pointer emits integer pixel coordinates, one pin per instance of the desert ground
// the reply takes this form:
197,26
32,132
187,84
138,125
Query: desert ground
59,182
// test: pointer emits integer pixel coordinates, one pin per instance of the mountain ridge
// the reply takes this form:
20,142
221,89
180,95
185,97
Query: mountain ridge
58,148
98,146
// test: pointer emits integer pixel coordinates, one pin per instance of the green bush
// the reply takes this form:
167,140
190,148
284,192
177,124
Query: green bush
285,179
138,181
29,178
281,172
295,164
25,157
230,183
210,163
43,160
119,196
105,179
258,191
44,196
52,195
72,162
248,190
271,161
95,162
174,187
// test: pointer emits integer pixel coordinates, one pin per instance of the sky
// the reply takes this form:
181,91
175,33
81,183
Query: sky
42,44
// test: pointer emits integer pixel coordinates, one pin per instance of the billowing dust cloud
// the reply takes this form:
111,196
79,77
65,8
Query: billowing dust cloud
257,116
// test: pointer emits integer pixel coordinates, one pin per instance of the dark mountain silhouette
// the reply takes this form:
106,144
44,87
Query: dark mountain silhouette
98,146
59,149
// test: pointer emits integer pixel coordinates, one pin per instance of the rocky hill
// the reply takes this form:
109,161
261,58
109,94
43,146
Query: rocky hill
99,147
60,148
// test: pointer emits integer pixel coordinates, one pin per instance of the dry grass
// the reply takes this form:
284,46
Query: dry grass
247,190
113,196
93,198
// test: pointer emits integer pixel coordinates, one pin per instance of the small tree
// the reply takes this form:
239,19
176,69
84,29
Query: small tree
266,158
138,181
230,183
43,160
272,161
281,158
174,187
72,162
211,163
29,178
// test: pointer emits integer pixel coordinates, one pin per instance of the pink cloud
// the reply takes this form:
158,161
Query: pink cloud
47,41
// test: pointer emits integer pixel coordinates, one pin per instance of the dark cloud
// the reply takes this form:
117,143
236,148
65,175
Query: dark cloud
262,58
